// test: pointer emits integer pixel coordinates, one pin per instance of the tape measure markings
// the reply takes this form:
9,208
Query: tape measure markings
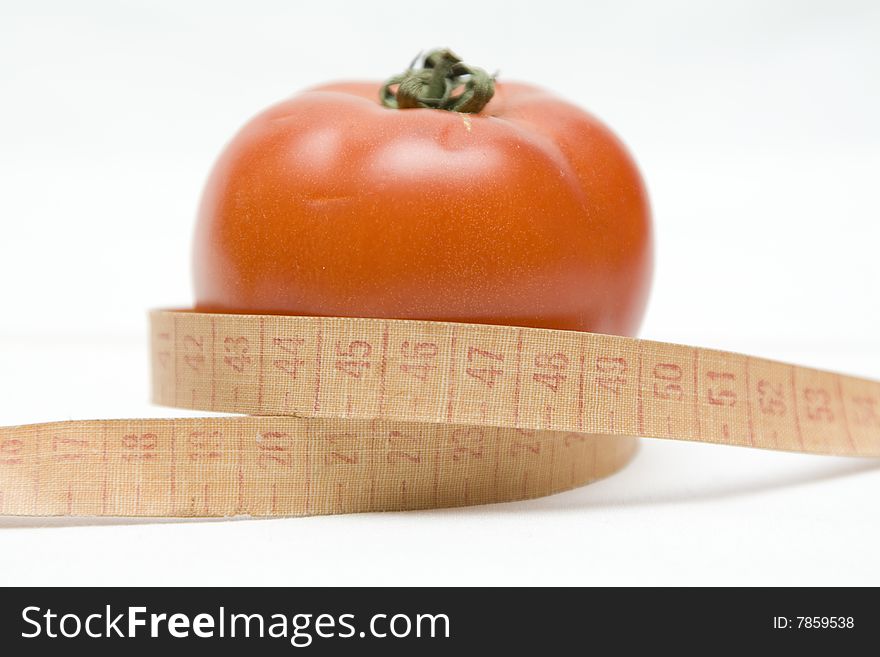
356,414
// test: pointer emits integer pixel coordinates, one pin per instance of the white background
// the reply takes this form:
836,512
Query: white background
757,127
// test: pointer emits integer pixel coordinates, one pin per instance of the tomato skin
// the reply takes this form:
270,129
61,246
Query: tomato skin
530,213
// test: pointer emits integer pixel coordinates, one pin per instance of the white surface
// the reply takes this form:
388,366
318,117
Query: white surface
755,125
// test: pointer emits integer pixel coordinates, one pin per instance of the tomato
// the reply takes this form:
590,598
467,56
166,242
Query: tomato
529,212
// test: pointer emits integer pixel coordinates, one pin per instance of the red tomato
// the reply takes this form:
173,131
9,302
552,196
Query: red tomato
528,213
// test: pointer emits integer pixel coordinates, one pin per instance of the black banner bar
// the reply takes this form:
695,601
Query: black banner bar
434,621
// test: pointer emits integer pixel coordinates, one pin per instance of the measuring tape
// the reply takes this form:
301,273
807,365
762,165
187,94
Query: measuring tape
349,414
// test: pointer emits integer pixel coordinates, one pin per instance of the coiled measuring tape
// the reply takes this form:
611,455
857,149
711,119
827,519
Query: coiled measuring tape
348,415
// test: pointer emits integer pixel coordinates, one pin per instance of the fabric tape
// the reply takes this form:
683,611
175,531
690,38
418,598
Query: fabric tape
350,414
